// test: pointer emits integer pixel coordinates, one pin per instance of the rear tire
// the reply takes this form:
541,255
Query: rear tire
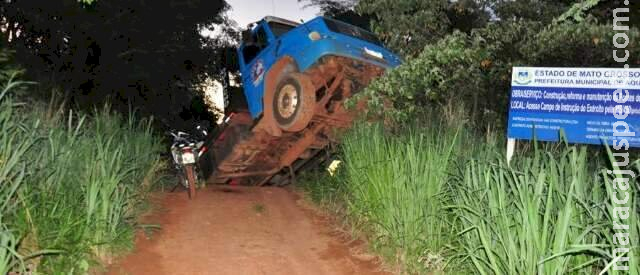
294,102
191,179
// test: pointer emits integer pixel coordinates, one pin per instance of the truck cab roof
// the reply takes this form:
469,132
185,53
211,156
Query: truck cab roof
274,19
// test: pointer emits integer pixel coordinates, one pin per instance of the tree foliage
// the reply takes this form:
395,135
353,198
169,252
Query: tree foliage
343,10
603,12
145,53
577,11
407,26
332,8
440,71
475,70
466,15
463,15
543,11
463,51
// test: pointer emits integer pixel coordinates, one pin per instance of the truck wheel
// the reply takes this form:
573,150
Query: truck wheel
294,102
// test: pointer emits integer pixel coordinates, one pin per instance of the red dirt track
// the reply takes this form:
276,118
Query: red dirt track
239,230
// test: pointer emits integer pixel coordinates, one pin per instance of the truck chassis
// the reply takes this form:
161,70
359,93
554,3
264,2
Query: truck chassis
248,153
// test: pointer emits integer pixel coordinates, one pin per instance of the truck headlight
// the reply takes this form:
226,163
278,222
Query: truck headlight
374,54
315,36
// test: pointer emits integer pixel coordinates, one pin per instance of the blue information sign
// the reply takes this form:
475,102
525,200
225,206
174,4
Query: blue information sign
590,105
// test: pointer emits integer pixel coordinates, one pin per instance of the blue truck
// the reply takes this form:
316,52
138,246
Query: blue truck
296,78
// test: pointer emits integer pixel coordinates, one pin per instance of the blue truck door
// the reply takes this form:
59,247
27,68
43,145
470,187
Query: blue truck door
256,67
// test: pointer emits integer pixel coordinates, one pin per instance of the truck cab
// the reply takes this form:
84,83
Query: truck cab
296,78
272,38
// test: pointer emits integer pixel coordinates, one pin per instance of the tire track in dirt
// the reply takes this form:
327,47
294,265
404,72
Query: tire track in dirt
240,230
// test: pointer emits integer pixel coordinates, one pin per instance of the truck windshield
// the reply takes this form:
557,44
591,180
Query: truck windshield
278,29
344,28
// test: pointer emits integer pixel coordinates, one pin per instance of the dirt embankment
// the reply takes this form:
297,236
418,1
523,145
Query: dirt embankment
243,231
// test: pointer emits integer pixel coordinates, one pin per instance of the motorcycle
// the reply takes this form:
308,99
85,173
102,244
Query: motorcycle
185,151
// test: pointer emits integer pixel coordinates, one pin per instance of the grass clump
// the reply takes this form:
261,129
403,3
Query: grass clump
438,199
15,141
523,219
548,213
70,184
393,186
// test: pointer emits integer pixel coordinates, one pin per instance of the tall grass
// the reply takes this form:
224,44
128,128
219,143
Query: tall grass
632,222
70,184
533,218
15,141
436,197
549,213
397,184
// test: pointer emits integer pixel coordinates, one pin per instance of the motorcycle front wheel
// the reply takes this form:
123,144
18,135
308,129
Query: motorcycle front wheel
190,173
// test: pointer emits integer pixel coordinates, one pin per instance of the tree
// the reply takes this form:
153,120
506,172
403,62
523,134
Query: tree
407,26
145,53
343,10
466,15
604,11
544,11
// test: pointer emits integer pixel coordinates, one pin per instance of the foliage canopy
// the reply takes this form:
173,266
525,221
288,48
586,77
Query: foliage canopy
148,54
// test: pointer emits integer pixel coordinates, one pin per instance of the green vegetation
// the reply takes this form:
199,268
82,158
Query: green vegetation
147,57
431,189
398,183
71,184
432,198
475,69
547,214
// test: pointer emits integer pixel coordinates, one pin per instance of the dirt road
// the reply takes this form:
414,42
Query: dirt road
236,230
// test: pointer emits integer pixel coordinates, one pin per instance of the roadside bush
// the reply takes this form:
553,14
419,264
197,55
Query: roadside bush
70,184
475,69
445,72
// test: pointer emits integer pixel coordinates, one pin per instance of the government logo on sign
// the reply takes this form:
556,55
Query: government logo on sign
523,77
